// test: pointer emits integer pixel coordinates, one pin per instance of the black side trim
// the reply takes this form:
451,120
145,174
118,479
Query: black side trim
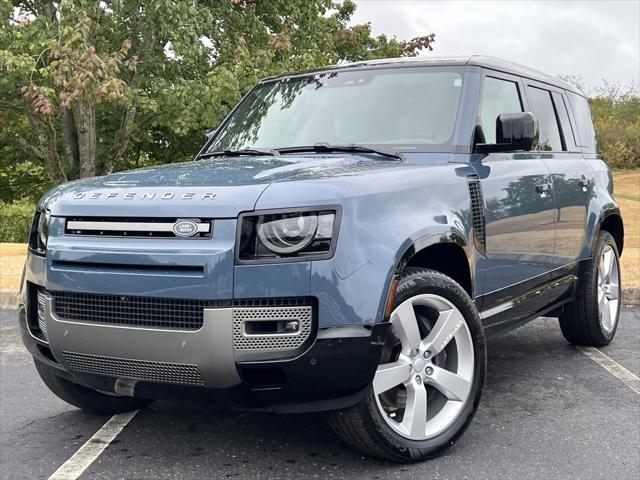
477,212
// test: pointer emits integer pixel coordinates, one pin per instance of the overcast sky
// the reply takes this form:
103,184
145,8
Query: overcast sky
597,39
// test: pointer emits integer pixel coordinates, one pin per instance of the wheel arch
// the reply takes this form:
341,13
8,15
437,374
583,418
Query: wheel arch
611,221
447,253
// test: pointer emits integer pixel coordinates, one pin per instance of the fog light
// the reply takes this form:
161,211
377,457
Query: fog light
292,327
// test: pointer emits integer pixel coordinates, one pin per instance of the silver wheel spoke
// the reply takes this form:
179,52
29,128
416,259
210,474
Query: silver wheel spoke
607,264
602,270
614,291
605,311
443,331
390,375
452,385
414,420
405,325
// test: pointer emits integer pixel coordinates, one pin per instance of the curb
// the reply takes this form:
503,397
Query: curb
8,299
630,295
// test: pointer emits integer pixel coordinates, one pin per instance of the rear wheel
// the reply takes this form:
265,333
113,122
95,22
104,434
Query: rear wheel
86,398
592,319
428,384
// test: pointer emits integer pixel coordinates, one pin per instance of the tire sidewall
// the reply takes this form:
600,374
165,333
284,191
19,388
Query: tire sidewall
423,283
604,239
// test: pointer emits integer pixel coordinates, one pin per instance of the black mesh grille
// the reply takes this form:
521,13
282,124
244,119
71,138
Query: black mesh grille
125,310
477,210
176,314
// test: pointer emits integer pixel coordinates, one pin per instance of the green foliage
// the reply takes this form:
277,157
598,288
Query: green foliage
616,118
15,221
23,181
89,87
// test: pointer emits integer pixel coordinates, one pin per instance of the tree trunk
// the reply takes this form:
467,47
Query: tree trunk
70,142
84,116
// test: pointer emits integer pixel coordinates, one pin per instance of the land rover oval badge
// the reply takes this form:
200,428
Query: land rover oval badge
185,228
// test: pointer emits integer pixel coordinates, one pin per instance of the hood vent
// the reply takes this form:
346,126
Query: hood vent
477,213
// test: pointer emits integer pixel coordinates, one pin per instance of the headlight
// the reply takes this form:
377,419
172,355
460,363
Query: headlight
39,234
301,235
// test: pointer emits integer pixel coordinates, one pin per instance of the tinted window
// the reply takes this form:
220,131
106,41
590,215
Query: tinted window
498,96
582,116
398,106
565,125
547,121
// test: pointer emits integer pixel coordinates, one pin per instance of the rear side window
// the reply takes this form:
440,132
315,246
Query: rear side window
498,96
582,116
550,139
568,135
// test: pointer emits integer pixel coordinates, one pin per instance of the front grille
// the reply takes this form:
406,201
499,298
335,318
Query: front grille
271,342
139,227
176,314
161,372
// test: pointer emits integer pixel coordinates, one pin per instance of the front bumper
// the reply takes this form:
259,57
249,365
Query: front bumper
330,368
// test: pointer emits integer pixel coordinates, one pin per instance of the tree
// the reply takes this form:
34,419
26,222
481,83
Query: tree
88,87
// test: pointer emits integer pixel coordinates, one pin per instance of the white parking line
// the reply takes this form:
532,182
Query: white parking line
613,367
87,453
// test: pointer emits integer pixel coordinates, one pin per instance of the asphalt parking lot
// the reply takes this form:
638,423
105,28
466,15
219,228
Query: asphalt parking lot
548,412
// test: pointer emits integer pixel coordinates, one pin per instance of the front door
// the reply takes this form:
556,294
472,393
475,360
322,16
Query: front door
519,210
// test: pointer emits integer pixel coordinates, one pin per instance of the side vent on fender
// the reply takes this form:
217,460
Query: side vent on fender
477,212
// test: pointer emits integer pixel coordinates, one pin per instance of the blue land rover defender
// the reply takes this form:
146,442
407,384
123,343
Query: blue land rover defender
345,241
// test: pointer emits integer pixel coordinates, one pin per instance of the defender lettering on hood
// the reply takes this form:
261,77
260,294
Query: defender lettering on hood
143,195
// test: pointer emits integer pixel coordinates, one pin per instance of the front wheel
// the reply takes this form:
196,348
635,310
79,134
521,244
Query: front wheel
430,377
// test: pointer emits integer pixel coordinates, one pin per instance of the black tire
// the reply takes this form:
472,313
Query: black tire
363,427
580,320
85,398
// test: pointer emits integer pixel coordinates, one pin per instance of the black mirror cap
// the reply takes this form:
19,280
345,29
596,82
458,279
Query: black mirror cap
514,131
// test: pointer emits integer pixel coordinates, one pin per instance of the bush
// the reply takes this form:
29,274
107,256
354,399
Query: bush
15,221
616,118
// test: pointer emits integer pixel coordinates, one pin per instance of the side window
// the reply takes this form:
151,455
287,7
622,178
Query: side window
498,96
547,121
582,116
565,124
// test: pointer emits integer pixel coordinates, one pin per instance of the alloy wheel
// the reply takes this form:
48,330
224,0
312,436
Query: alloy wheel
426,374
608,289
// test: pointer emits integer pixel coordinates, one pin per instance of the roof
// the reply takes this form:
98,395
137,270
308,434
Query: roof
493,63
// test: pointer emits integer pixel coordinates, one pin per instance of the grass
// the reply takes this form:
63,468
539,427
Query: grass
12,257
627,190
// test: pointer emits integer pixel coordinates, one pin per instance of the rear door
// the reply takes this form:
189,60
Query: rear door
573,183
519,213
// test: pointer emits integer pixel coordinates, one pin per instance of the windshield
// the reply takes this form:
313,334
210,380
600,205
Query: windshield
408,108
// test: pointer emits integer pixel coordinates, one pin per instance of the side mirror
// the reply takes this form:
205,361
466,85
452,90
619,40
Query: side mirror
514,131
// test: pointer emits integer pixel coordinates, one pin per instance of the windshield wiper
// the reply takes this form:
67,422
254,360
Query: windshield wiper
239,152
352,147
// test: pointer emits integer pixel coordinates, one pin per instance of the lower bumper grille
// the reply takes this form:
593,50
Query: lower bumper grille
42,317
160,372
271,340
178,314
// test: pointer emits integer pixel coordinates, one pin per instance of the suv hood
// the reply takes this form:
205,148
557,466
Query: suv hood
217,187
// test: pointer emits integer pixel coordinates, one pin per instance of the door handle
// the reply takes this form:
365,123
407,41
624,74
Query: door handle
543,189
584,183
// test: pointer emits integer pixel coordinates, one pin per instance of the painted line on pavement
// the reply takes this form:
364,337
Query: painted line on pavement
91,450
613,367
